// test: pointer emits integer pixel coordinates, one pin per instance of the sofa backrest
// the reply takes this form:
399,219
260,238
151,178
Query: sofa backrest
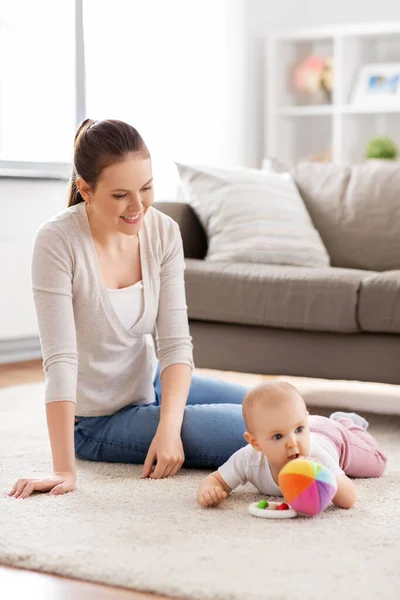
193,236
355,209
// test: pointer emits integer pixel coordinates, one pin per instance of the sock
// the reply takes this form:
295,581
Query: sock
357,419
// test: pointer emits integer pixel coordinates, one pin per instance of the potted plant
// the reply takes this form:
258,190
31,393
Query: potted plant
381,148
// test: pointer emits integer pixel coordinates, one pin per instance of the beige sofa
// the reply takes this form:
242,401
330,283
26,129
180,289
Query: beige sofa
339,322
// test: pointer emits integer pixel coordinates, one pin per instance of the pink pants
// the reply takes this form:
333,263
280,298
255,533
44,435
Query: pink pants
359,452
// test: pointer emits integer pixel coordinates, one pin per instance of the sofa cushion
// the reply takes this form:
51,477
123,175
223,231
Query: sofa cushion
379,304
252,216
355,209
268,295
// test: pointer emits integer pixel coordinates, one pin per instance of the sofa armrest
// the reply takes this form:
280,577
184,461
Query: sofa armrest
193,235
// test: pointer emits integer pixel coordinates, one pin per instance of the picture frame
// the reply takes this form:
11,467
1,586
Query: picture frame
377,85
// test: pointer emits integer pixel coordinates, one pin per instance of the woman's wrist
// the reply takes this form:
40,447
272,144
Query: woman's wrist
170,423
70,470
175,384
60,420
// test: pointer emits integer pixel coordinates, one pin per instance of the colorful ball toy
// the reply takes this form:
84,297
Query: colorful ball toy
307,486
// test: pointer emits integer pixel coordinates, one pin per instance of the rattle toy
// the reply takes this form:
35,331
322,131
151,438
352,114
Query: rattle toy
271,510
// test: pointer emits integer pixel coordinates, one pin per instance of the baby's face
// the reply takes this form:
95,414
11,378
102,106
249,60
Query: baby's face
282,432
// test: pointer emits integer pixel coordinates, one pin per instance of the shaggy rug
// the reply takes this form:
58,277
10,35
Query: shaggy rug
150,535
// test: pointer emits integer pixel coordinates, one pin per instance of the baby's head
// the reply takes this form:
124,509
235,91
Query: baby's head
275,415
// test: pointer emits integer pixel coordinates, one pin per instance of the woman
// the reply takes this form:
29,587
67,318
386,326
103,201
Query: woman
107,272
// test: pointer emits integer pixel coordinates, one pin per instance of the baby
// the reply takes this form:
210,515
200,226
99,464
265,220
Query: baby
279,429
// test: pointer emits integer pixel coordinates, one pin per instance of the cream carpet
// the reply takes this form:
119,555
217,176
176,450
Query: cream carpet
151,535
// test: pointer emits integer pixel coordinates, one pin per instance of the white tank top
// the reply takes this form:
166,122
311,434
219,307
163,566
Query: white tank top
128,303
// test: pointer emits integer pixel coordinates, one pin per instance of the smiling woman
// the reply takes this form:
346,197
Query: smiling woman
110,207
107,274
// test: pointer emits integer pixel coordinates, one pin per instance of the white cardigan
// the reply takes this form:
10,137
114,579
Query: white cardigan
76,317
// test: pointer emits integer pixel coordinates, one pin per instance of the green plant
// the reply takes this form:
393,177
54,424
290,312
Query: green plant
382,147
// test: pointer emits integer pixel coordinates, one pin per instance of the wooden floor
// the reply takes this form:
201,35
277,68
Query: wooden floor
20,583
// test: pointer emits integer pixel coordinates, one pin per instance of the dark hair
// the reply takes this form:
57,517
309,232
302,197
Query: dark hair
99,144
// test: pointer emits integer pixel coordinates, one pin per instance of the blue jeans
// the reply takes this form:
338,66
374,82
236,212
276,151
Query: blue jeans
212,428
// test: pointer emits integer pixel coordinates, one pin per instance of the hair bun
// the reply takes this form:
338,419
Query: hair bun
83,127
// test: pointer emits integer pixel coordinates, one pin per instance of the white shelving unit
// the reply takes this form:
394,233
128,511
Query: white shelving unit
336,130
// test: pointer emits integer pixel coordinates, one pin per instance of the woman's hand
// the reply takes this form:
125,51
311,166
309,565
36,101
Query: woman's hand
167,449
58,483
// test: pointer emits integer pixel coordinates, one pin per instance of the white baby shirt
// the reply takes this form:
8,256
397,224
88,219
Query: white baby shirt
249,465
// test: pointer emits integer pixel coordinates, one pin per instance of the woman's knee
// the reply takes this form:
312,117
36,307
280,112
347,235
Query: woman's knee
212,432
211,390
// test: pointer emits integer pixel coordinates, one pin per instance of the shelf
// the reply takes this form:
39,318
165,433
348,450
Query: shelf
351,109
306,111
331,109
339,128
362,29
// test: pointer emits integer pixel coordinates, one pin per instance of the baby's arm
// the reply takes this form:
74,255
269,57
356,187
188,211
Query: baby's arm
215,487
212,490
346,494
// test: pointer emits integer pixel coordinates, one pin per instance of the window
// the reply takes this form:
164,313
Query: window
37,82
170,68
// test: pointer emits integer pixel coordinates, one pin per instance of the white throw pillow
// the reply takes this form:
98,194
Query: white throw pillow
252,216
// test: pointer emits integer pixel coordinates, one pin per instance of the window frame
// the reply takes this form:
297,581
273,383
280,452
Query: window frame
49,170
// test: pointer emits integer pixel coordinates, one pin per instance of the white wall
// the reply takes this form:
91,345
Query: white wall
316,13
286,14
263,16
25,203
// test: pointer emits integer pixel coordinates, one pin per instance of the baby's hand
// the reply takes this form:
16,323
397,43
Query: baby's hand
211,496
